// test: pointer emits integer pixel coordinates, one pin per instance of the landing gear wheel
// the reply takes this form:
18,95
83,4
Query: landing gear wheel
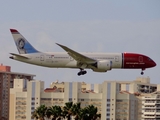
82,72
142,73
79,73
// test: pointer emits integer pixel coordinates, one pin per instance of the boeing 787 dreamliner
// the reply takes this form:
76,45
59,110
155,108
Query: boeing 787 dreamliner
98,62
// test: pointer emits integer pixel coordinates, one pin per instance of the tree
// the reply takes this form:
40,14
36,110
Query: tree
70,109
76,110
89,113
67,112
54,112
40,112
92,110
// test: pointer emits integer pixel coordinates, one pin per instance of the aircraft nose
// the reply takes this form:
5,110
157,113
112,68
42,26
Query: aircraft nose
154,64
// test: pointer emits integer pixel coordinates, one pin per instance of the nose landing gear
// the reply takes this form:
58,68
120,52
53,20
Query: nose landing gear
142,71
81,72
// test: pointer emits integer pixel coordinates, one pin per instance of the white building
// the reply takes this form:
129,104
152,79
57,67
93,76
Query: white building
115,100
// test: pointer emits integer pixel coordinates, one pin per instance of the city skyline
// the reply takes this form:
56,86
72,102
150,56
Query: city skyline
137,99
85,26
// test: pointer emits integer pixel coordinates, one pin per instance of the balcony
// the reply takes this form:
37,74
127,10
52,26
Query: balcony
148,116
150,113
150,107
149,103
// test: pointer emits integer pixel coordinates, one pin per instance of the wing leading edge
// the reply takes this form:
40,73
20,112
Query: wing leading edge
77,56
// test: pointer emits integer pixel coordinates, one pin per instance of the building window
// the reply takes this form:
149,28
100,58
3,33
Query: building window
60,99
32,103
55,99
108,114
108,90
33,98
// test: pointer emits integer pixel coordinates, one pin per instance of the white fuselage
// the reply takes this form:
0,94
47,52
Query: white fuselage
63,60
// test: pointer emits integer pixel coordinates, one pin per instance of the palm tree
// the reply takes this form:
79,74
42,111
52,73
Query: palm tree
67,112
40,112
83,114
92,112
76,110
89,113
54,112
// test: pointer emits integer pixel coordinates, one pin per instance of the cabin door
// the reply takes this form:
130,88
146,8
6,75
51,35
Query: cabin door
140,59
42,57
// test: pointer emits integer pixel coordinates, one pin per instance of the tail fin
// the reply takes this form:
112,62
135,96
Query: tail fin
22,44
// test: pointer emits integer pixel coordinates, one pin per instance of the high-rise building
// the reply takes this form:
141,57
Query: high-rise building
6,82
115,100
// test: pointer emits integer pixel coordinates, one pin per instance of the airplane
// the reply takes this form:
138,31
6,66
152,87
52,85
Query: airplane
98,62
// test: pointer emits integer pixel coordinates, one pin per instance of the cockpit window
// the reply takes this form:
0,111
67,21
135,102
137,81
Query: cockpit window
149,59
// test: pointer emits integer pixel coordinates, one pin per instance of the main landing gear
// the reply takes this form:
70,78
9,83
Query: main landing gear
81,72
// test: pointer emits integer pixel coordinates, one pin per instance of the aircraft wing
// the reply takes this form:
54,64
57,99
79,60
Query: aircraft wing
18,55
77,56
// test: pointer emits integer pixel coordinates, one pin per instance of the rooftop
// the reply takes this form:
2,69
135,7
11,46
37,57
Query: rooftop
17,73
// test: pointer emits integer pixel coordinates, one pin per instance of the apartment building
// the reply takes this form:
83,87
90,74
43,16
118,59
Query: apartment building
151,106
6,82
115,100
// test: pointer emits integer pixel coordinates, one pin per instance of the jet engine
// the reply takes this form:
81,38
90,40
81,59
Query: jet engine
102,66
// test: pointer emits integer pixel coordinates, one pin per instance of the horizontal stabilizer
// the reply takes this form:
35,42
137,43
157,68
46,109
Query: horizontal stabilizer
18,55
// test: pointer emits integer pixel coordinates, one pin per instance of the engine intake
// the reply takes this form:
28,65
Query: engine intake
102,66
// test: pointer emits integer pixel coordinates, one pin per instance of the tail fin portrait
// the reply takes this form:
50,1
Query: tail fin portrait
23,46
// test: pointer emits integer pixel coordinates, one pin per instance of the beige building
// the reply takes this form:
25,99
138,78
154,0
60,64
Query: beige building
115,100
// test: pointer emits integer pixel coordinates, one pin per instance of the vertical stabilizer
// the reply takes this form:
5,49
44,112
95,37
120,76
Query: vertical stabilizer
23,46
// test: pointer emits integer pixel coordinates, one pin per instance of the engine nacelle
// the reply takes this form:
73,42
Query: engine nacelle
103,66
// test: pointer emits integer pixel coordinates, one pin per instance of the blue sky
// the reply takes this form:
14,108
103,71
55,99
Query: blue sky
85,26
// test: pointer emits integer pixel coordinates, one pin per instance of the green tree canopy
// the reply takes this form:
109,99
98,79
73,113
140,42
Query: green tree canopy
54,112
40,112
70,109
